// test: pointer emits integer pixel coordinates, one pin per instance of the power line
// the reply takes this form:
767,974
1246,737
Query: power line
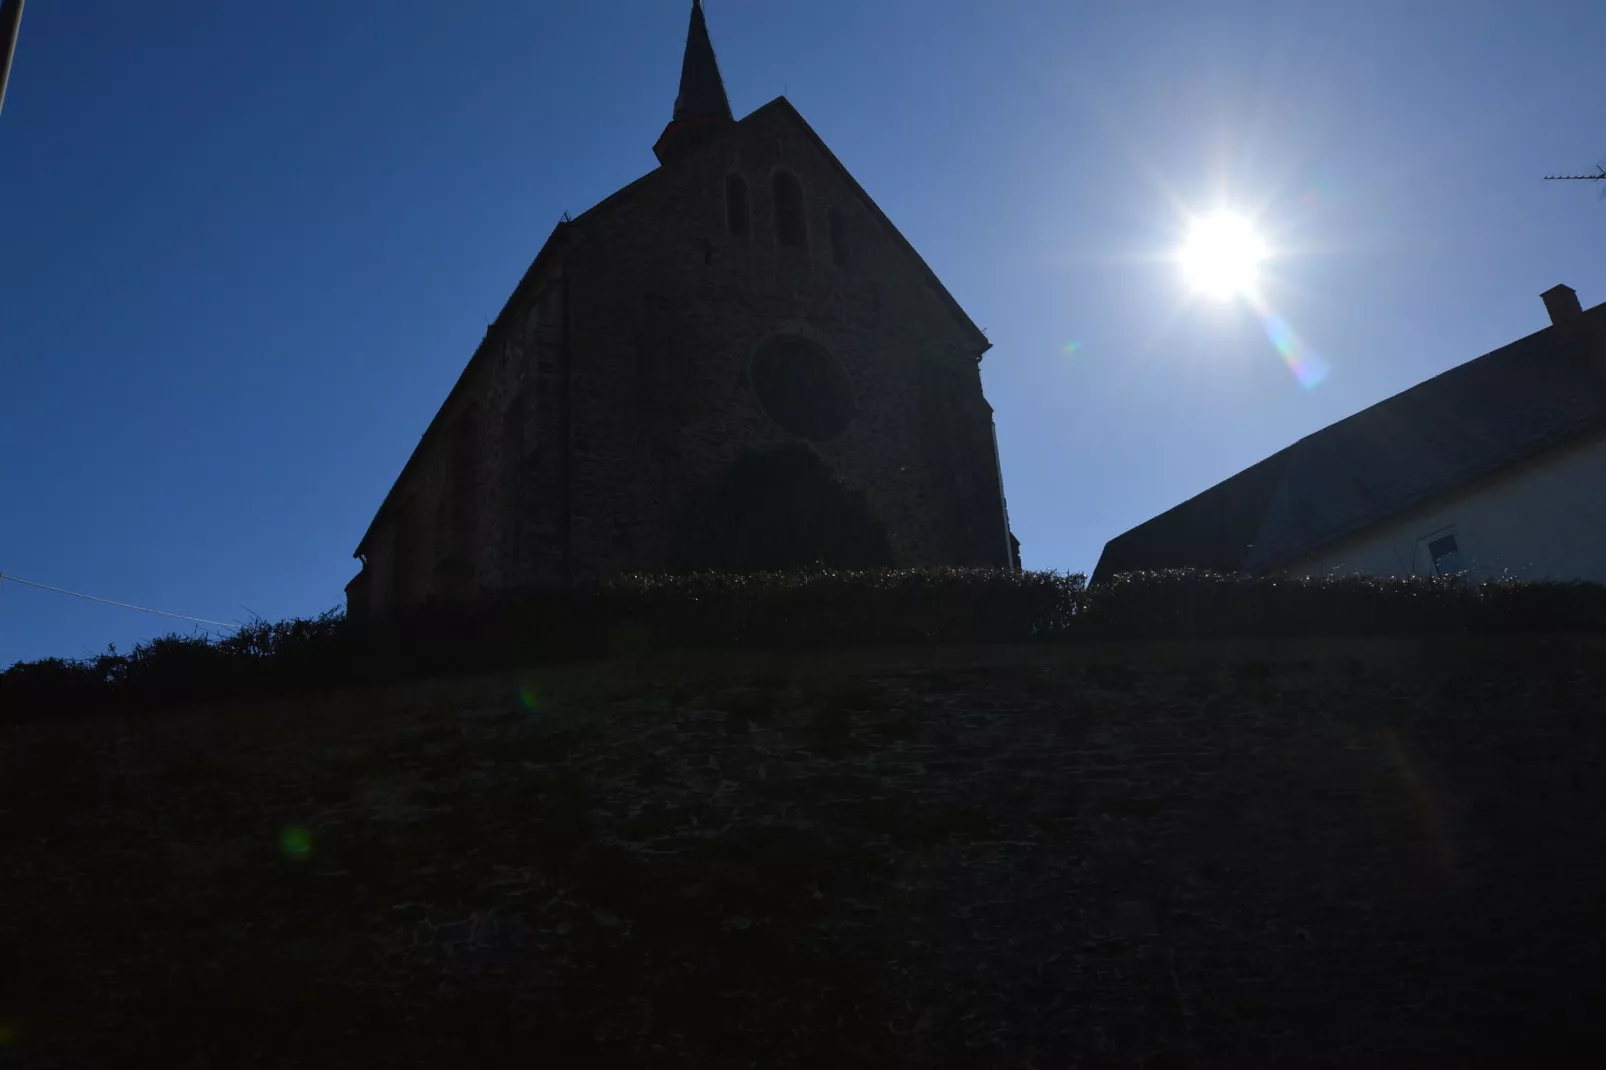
10,19
5,578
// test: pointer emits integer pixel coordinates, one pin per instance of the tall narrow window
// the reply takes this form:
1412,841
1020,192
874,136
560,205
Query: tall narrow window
788,210
736,205
405,566
463,469
513,486
456,512
839,237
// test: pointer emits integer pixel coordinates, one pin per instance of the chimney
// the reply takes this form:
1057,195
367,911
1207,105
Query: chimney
1581,337
1562,303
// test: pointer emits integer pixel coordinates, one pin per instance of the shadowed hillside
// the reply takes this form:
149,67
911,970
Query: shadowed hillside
1359,853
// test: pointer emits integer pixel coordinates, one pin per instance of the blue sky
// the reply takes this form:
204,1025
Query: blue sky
246,248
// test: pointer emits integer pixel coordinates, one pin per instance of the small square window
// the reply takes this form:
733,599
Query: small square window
1446,556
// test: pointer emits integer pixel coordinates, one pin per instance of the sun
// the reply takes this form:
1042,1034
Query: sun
1221,256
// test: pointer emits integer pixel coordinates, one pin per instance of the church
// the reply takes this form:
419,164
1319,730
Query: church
743,301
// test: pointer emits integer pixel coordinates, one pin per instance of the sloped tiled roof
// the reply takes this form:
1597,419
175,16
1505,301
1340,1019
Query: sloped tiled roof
1463,425
551,252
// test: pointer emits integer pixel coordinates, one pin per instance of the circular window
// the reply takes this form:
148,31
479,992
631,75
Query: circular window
802,388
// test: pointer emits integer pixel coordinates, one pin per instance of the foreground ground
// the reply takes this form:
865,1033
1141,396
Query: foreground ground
1361,854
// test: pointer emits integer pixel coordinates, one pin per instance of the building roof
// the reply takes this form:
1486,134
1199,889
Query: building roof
701,107
1506,406
702,90
545,261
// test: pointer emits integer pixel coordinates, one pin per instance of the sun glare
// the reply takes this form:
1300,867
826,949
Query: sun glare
1221,256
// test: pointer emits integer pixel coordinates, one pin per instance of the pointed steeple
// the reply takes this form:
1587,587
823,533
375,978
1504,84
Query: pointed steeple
701,109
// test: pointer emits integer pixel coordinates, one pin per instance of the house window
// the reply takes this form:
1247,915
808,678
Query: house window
788,210
736,205
1446,556
839,238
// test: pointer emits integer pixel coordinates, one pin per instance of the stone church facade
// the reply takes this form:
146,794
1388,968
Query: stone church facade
745,293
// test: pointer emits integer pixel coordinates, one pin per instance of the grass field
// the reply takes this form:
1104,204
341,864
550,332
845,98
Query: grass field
1371,853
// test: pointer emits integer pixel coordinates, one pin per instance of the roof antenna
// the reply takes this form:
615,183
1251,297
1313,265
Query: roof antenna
1598,176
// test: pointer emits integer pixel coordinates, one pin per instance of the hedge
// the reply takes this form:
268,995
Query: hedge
821,608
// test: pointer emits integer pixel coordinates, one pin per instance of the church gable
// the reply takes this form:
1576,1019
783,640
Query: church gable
769,184
713,294
848,225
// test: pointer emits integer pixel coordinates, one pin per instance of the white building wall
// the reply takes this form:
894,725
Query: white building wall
1543,519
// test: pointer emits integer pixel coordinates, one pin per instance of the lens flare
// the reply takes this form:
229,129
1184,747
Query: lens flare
1434,826
1221,257
1322,190
296,843
527,696
1308,366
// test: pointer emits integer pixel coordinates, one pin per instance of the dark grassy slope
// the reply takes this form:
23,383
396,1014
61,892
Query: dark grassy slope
1372,853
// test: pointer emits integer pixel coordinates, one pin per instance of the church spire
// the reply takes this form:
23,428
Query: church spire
701,108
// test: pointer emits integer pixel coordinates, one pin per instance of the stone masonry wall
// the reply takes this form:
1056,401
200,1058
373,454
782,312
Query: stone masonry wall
669,308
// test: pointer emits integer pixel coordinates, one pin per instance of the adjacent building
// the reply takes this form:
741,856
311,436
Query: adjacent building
1494,469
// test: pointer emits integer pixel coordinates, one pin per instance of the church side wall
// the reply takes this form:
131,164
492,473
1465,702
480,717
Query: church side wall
477,507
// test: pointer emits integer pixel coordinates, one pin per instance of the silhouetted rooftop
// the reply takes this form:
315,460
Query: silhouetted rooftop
1458,427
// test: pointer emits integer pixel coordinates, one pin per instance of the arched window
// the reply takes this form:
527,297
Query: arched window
839,237
736,205
788,210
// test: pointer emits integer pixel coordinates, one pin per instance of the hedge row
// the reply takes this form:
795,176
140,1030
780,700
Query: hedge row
648,614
